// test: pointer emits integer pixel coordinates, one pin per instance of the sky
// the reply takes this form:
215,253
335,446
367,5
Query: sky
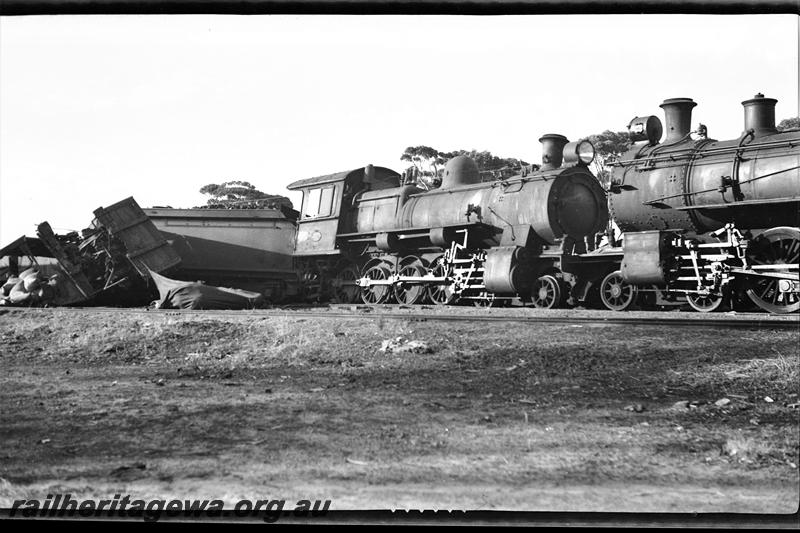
94,109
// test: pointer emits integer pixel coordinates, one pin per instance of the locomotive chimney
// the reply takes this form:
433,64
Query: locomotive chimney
552,150
759,115
678,115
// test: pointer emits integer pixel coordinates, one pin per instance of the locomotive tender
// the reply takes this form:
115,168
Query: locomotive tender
701,218
249,249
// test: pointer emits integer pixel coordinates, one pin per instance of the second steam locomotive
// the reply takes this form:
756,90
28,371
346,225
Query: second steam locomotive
712,221
377,239
715,221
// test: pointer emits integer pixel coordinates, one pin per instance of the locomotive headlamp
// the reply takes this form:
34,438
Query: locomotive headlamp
579,152
645,129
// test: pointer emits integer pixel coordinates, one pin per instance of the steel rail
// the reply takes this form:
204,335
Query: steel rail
367,312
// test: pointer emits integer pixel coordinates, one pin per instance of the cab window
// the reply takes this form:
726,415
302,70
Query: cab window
319,202
326,202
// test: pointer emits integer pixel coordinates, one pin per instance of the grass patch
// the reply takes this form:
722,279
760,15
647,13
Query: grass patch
773,370
756,450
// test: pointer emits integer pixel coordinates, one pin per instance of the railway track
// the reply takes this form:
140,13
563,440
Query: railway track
738,321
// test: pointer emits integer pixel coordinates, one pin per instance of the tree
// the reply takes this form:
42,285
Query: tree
609,146
429,164
242,195
789,124
426,162
486,161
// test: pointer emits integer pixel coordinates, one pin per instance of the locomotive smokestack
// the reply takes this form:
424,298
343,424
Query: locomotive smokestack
759,115
678,115
552,150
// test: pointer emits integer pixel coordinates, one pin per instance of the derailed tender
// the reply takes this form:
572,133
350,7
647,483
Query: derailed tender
244,248
106,263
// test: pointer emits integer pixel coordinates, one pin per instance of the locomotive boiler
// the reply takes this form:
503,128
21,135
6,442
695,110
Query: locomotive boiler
709,219
466,240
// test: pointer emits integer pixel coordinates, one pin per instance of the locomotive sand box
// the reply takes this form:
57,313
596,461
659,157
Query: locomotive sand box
712,223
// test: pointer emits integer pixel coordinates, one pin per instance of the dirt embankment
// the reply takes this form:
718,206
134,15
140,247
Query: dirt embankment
534,417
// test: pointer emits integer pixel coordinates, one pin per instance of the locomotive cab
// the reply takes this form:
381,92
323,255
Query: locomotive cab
327,207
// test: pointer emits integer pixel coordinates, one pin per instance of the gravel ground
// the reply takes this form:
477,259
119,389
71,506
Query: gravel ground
591,417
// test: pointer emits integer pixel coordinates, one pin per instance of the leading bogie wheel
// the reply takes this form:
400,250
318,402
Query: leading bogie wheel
616,293
485,299
546,292
705,303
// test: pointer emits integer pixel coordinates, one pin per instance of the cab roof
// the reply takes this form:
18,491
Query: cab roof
382,174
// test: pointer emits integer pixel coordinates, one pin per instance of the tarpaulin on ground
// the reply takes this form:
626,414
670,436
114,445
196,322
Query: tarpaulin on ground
176,294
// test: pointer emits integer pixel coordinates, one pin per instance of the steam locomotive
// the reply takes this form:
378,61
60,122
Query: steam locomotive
377,239
712,221
716,221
